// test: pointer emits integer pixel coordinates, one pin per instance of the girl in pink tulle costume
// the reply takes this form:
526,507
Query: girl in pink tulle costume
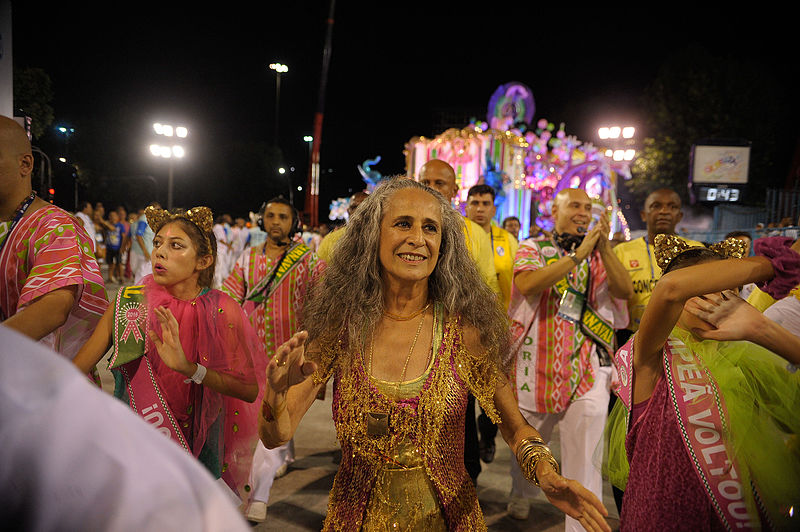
182,353
704,435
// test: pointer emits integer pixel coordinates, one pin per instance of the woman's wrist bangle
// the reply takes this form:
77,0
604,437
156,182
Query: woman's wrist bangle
529,452
199,375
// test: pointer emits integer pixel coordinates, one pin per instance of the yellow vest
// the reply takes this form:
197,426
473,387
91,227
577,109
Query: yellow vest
480,247
504,247
638,258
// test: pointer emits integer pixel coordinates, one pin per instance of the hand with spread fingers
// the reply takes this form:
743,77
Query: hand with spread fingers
289,365
169,344
287,368
731,316
572,498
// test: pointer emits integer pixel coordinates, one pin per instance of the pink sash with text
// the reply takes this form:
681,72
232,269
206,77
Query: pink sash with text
702,420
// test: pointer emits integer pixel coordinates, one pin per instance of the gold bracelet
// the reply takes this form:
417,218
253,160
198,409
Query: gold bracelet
529,452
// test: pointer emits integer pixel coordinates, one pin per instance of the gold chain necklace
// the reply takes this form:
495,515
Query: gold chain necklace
378,420
193,302
396,317
410,351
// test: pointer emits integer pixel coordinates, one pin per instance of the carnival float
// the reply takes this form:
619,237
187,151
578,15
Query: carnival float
526,164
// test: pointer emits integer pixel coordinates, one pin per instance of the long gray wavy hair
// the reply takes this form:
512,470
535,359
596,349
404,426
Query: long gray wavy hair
348,300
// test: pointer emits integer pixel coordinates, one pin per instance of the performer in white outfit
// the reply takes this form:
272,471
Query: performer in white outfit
77,459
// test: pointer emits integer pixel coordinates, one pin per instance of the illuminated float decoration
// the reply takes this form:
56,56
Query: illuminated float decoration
338,209
526,167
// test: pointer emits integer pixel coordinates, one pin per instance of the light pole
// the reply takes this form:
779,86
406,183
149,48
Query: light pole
309,140
67,132
169,152
279,69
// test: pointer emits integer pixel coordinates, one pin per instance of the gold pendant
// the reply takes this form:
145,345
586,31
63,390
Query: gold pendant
377,423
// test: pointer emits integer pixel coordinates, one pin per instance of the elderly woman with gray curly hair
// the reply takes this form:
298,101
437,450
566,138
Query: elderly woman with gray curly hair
407,328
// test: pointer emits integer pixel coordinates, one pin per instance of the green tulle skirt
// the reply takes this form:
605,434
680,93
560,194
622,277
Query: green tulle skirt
762,399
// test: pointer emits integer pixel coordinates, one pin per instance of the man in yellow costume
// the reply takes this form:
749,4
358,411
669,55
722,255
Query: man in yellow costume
662,212
481,210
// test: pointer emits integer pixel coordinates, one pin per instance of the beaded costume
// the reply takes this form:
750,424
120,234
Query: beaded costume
413,476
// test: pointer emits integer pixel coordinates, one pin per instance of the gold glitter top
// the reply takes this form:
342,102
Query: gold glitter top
431,423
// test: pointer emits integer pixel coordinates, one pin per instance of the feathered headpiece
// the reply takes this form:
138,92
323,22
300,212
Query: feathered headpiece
667,247
199,216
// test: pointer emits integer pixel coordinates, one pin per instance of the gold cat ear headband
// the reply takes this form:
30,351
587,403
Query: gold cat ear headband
199,216
667,247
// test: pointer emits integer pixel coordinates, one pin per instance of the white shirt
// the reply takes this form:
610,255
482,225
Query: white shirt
74,458
786,313
88,224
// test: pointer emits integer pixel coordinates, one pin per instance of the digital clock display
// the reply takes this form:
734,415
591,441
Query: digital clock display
719,194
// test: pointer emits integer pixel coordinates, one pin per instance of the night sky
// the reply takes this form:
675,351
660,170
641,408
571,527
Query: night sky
391,68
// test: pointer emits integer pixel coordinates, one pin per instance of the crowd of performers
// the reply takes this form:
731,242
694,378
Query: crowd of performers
416,313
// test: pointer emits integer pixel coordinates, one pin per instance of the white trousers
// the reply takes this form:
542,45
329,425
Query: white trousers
136,260
580,429
266,463
144,269
223,267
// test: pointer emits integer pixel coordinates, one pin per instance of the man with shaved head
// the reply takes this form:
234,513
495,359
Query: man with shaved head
51,289
568,296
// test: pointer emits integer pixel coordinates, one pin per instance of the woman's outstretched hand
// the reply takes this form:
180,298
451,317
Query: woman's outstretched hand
169,344
731,316
289,365
572,498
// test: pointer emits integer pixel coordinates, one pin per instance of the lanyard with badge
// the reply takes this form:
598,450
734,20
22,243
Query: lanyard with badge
573,302
572,307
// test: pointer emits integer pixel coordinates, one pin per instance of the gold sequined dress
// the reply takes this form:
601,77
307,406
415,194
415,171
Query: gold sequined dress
411,476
